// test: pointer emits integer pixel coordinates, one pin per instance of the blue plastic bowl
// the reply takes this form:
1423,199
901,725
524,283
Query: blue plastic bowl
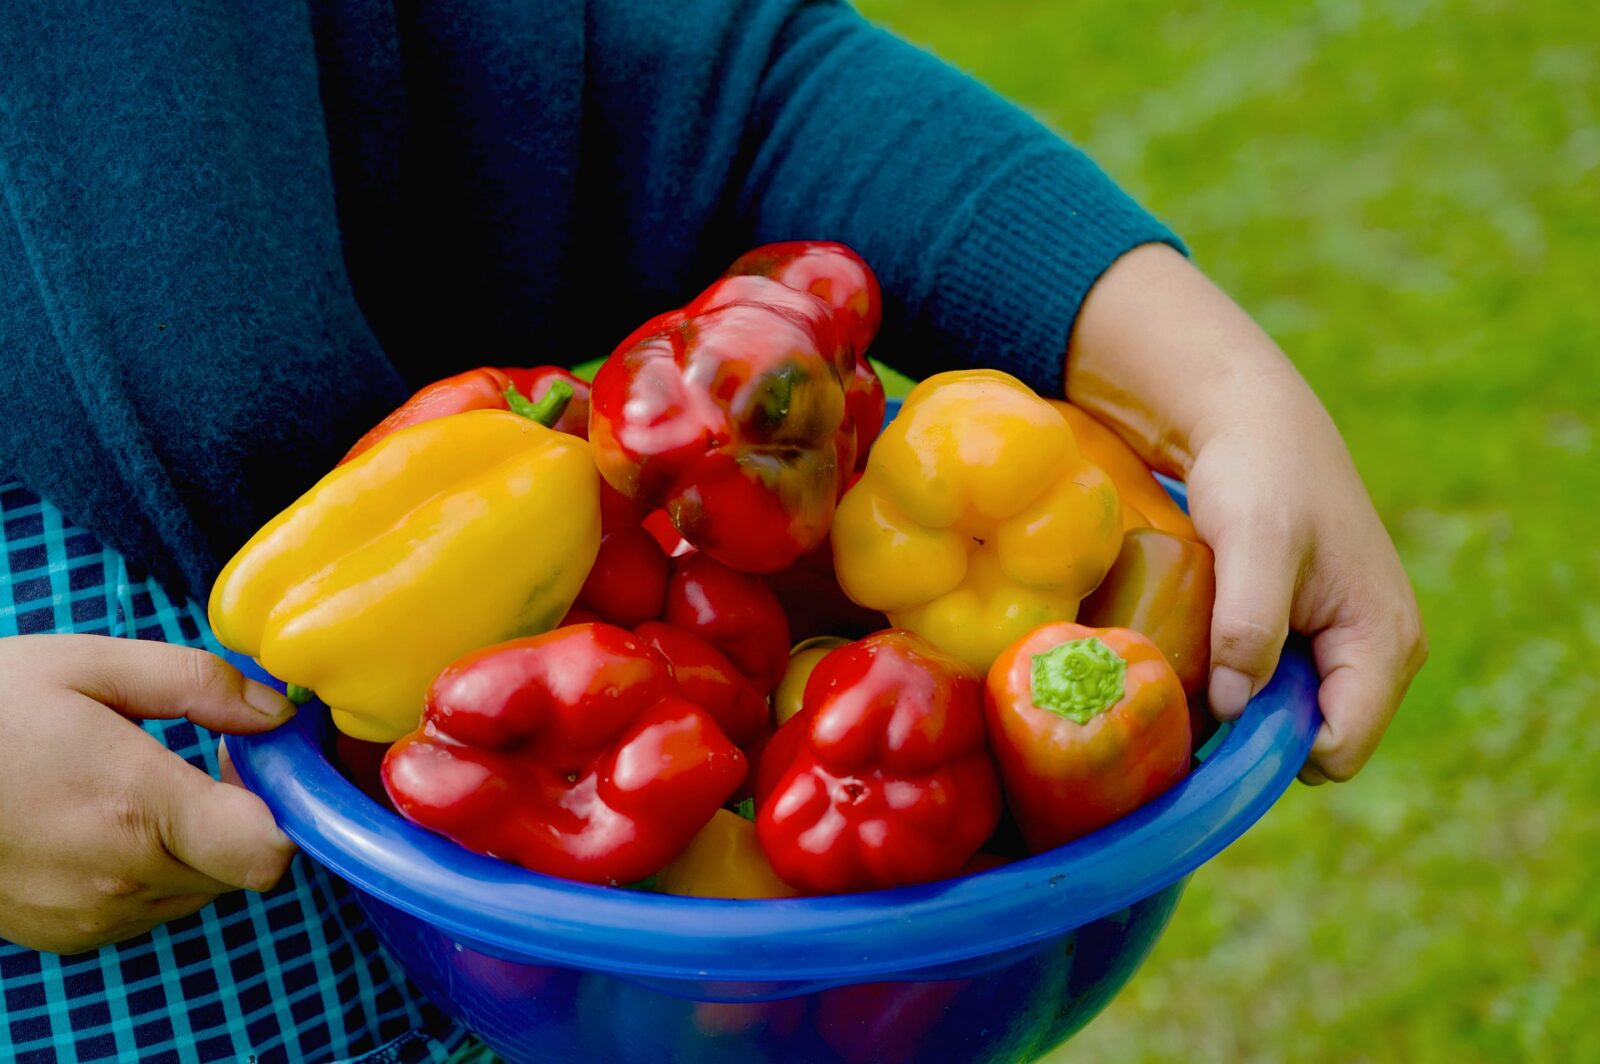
999,966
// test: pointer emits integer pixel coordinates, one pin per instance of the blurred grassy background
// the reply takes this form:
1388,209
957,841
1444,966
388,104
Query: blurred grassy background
1407,195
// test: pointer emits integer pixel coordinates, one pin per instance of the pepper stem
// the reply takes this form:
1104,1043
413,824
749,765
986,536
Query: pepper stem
1079,680
298,695
546,411
747,809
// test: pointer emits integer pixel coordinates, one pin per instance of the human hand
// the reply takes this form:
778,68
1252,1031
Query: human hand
1201,392
105,834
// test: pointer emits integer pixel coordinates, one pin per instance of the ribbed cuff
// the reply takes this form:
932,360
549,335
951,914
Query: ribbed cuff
1039,236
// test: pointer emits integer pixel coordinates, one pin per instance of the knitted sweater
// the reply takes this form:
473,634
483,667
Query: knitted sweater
234,235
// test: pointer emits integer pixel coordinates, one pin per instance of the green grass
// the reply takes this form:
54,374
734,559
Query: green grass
1407,195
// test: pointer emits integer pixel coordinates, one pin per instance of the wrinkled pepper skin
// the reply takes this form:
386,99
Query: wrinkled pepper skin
841,278
483,388
977,518
723,861
444,537
1092,740
730,415
570,753
1145,503
733,611
884,778
1164,588
708,679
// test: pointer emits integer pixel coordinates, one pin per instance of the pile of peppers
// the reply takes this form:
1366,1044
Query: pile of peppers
701,628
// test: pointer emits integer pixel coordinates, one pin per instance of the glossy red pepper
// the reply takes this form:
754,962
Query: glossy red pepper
837,275
1088,724
627,585
731,414
884,778
708,679
733,611
570,753
484,388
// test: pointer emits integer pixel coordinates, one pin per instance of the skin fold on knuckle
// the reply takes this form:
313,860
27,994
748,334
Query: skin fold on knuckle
126,813
1244,643
208,677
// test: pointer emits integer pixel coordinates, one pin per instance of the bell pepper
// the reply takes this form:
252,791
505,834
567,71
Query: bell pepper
789,698
723,861
448,536
734,612
1163,587
708,679
1145,503
834,273
977,518
570,753
485,388
730,415
884,778
627,585
887,1023
815,603
1088,724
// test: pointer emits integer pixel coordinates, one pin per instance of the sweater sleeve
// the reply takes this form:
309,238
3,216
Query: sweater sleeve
986,229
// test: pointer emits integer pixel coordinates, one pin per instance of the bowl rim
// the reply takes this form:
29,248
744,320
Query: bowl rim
518,915
509,912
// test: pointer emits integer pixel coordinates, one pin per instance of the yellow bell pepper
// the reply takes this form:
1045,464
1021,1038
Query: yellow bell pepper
977,518
723,861
447,536
803,660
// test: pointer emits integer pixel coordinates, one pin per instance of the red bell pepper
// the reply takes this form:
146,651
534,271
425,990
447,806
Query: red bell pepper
627,585
840,277
708,679
884,778
733,611
485,388
730,414
570,753
1088,724
814,602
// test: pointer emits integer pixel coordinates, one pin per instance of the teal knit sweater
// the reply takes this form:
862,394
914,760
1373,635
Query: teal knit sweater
234,235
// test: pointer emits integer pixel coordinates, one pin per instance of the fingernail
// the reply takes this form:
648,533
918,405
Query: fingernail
266,701
1230,690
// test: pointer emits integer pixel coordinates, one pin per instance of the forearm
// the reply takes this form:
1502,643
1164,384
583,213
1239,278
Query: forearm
1164,356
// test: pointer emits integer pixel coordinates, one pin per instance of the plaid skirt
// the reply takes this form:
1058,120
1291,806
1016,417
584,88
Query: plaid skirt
293,975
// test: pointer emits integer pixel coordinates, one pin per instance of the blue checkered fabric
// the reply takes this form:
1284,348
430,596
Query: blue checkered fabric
293,975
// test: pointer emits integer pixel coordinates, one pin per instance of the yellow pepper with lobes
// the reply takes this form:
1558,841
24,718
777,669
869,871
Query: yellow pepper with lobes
977,518
444,537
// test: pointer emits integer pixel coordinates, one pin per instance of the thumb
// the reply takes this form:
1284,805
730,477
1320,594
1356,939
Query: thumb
221,831
150,680
1256,578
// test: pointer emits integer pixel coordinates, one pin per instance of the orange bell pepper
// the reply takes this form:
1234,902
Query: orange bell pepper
1145,503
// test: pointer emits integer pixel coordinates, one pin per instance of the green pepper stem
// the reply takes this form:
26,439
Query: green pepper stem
546,411
298,695
747,809
1079,680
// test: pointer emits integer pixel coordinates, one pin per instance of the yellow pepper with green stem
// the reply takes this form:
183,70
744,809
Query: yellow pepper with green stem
977,518
445,537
